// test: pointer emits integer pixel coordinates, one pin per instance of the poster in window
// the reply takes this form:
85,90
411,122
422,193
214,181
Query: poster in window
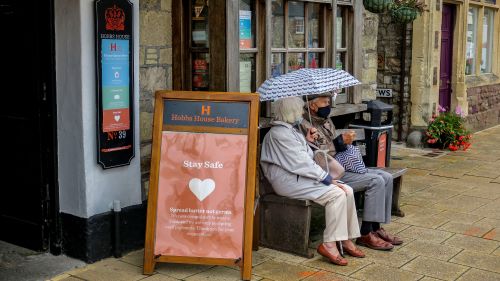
245,76
245,29
200,74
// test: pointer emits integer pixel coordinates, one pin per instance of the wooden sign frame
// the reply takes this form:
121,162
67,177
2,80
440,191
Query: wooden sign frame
245,262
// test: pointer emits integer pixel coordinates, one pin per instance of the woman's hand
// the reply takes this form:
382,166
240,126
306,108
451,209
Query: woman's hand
312,134
341,186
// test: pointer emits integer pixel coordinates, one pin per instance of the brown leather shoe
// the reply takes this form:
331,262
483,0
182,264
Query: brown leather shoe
386,236
338,260
372,241
357,253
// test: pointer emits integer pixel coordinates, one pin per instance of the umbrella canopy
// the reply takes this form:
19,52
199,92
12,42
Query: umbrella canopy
305,81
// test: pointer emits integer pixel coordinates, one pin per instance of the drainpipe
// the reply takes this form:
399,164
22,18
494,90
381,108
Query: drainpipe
117,250
402,84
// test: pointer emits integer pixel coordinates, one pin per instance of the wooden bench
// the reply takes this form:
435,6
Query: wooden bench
285,223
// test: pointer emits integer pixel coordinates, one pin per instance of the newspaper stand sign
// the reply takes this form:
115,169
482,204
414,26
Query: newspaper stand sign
202,185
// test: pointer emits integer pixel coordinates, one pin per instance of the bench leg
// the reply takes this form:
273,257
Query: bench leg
396,210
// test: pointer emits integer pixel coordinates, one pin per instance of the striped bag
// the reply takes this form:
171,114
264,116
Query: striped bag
351,160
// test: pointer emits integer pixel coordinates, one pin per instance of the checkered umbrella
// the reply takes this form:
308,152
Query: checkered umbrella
305,81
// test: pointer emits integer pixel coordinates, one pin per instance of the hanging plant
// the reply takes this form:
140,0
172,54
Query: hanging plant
377,6
406,11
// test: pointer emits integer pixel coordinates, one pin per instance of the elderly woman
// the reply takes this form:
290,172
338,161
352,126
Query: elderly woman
287,162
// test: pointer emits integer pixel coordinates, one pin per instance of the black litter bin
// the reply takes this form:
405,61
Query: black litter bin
377,123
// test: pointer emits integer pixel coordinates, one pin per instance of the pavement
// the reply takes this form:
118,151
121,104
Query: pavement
451,230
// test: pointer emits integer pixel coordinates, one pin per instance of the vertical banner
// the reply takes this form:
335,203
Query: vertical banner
202,185
114,81
381,150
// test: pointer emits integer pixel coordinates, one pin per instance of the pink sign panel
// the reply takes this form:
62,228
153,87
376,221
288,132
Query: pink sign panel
201,195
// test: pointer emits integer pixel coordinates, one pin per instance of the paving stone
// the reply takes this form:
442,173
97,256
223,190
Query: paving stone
258,258
472,243
424,220
496,252
354,265
449,172
488,222
281,255
66,277
465,229
159,277
181,271
478,260
486,172
412,209
490,210
282,271
432,194
461,217
327,276
462,203
384,273
395,227
416,172
219,273
429,235
388,258
427,278
476,274
411,186
136,258
491,191
111,269
435,268
432,250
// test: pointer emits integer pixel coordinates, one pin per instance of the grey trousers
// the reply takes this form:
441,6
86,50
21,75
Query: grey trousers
377,185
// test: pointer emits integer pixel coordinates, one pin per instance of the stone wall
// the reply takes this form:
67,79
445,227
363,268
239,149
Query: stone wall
155,62
389,49
369,52
484,107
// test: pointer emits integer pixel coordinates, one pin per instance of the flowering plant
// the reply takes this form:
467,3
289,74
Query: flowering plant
448,130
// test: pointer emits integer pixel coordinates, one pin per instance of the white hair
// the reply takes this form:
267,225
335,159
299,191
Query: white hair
288,110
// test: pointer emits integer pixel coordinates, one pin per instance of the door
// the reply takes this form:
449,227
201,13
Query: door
26,115
448,18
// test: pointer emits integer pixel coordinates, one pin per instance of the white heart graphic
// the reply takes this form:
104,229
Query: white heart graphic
201,188
117,117
117,97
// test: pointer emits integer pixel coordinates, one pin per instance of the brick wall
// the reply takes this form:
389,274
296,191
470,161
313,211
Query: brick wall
484,107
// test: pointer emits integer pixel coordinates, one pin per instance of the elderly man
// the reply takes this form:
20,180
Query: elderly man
376,183
287,163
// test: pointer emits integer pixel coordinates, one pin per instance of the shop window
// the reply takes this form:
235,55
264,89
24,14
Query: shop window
343,45
487,44
471,44
303,46
248,50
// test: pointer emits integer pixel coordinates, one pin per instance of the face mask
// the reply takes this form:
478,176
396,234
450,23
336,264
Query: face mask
323,112
298,121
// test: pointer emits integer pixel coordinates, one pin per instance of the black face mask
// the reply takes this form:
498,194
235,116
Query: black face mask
323,112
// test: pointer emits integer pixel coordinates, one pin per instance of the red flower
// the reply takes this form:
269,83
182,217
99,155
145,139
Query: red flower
431,140
453,147
460,138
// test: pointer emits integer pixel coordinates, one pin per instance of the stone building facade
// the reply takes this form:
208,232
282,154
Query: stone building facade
155,66
389,74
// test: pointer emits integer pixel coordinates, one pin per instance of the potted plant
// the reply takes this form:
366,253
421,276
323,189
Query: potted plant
406,11
377,6
447,130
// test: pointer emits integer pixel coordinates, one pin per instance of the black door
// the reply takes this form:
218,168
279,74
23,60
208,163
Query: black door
27,108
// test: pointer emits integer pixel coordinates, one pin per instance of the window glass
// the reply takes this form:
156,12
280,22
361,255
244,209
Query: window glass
200,72
487,46
247,73
339,28
296,34
199,23
247,24
278,22
313,60
277,64
494,2
471,44
313,38
296,61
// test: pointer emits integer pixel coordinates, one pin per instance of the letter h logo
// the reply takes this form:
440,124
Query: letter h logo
205,110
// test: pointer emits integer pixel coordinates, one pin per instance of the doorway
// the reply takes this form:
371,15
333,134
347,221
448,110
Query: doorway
447,25
29,199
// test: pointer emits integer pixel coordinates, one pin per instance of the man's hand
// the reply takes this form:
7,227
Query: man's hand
312,134
348,137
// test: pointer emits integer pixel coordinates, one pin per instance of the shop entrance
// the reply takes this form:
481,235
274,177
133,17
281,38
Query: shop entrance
447,25
28,199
